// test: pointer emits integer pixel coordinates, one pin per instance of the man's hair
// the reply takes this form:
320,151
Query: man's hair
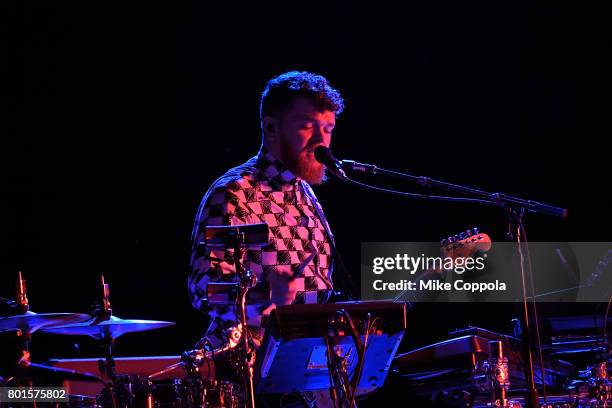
281,92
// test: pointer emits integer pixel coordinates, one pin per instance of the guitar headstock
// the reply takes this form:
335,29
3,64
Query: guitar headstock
466,244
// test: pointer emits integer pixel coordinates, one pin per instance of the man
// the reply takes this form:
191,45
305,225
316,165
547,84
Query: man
298,113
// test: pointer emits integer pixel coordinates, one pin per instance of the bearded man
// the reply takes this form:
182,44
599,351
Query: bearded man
298,113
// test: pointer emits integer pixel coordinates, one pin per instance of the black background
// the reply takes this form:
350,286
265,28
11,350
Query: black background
127,111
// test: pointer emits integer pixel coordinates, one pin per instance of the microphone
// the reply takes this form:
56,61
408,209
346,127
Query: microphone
324,155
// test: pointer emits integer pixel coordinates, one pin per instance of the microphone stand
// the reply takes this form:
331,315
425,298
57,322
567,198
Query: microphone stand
496,199
515,209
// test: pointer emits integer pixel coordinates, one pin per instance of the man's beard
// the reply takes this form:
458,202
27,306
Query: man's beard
301,165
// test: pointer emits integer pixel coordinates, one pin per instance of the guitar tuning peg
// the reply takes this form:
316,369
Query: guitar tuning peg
450,240
462,236
469,233
457,237
475,229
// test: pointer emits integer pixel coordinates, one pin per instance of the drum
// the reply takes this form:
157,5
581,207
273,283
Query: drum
192,393
82,401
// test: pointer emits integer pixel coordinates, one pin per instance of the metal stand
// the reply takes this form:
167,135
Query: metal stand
107,366
25,336
247,280
601,384
515,233
499,375
339,384
342,390
515,208
239,237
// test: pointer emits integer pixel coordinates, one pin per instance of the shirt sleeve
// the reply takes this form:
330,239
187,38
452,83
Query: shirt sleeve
222,206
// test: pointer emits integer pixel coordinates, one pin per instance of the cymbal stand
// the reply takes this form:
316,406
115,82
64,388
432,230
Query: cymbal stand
247,280
107,365
238,237
24,334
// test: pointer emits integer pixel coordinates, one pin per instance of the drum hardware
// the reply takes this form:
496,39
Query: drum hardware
237,238
106,328
198,362
347,338
21,298
31,322
24,323
194,387
42,371
102,330
499,376
190,383
135,372
594,383
226,294
194,393
27,322
82,401
601,384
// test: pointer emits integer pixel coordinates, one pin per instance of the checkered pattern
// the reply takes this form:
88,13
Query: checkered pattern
297,262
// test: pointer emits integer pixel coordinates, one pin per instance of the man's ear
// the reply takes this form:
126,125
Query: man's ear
270,127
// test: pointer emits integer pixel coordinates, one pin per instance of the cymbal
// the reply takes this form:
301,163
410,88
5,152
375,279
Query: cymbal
31,322
111,328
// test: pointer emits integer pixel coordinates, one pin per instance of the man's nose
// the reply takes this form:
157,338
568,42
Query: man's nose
320,136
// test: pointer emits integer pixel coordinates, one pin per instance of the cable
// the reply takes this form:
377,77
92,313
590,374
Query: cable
535,309
330,367
529,374
605,325
373,323
352,287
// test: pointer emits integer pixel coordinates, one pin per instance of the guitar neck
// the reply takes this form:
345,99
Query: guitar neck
411,297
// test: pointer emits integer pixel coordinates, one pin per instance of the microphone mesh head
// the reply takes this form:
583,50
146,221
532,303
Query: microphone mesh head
323,155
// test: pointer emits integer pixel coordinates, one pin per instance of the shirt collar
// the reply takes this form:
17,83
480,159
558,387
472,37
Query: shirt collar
273,170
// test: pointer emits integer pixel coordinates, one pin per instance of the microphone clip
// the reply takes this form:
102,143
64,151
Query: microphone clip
359,167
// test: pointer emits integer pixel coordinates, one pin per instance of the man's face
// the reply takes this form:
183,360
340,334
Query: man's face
302,129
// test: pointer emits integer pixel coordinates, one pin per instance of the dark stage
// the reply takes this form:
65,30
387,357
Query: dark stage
127,112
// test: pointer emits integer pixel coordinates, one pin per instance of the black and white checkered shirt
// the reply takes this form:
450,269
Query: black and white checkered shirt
296,263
